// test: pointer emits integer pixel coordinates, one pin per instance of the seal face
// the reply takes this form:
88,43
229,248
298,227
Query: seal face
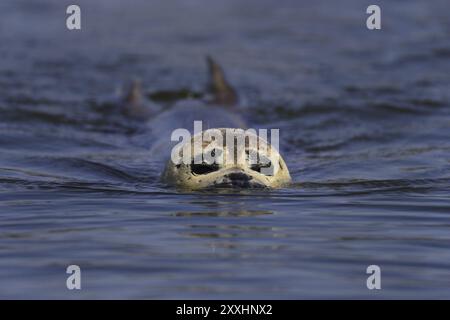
226,164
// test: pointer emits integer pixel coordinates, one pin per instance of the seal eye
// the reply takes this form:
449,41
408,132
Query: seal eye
204,168
258,166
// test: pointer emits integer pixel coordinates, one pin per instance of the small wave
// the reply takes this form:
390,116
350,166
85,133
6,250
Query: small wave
365,186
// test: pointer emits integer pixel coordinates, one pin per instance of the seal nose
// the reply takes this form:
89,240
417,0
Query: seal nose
239,176
238,179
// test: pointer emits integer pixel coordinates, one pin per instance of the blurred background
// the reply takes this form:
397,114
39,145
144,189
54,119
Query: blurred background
364,124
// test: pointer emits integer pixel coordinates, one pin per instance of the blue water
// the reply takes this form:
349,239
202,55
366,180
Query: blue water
364,120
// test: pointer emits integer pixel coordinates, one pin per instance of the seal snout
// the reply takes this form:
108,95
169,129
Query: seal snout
238,179
238,176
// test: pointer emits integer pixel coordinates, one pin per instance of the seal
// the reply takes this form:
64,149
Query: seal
236,168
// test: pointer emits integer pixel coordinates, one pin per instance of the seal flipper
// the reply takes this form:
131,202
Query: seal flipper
223,93
133,104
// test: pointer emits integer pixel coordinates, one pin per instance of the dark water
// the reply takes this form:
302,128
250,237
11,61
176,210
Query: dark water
364,118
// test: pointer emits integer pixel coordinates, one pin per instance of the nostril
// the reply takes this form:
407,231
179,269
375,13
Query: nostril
239,176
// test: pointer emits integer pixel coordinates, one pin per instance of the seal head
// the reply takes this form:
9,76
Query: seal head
226,163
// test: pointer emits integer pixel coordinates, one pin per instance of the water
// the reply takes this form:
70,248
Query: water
365,124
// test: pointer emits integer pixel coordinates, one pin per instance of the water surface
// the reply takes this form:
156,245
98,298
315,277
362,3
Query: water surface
364,119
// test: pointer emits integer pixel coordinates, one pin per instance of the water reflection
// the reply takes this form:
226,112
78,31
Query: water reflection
223,213
235,227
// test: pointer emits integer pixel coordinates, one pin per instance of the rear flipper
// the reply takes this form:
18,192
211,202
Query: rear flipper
223,92
134,105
